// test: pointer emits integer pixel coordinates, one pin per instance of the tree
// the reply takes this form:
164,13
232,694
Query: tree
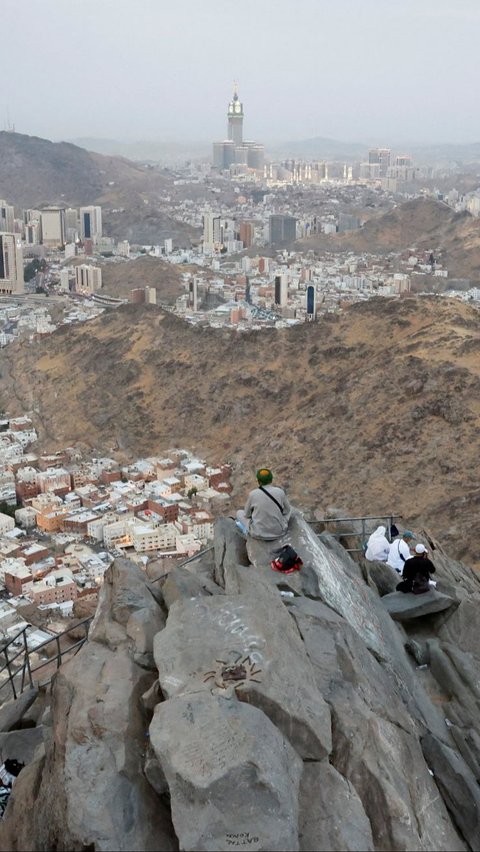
6,509
191,492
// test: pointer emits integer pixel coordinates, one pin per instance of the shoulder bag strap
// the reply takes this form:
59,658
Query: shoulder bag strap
271,497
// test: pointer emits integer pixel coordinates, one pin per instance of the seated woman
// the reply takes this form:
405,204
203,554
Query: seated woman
378,546
416,572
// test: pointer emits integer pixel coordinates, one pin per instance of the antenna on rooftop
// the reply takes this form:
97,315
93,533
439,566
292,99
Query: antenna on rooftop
10,128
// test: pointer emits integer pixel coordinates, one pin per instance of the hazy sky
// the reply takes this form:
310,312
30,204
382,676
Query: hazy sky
356,70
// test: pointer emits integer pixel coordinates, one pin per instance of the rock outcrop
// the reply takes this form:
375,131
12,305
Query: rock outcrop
226,706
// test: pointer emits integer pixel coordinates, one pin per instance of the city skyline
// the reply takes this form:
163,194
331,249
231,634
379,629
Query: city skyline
348,72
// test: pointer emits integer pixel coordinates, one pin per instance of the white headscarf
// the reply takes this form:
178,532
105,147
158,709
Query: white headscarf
378,546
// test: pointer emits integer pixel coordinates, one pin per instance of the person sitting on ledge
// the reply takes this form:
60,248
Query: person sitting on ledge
267,510
378,546
416,572
399,551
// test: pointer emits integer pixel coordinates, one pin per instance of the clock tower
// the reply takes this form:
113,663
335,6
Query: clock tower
235,118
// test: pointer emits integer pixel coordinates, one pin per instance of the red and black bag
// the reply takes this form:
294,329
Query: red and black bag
286,560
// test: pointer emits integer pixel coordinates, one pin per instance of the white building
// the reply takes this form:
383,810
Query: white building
11,265
123,248
88,279
53,227
91,223
7,217
6,523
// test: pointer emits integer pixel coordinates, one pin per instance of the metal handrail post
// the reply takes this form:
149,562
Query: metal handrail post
59,653
27,658
10,676
186,561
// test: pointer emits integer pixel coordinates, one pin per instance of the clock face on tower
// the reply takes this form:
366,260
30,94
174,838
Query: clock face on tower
237,107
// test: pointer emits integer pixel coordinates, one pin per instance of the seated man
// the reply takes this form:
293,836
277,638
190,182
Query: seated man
416,572
399,551
267,510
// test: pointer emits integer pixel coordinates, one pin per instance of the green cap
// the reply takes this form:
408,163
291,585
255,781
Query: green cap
264,476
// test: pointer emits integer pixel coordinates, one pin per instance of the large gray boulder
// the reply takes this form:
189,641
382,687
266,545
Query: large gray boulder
202,631
233,778
90,788
374,736
12,712
230,549
182,582
380,576
127,614
124,592
458,786
461,626
405,606
332,817
20,745
343,589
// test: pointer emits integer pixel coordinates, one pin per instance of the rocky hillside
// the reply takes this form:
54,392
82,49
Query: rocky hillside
377,410
230,707
119,279
35,172
422,223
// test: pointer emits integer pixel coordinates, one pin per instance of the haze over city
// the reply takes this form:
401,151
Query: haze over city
369,72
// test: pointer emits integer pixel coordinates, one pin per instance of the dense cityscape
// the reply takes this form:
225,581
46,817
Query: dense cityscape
251,265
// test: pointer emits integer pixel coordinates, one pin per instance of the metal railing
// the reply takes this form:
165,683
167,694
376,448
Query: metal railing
18,664
355,532
186,561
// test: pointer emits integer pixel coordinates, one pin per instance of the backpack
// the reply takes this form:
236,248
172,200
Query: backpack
420,584
286,560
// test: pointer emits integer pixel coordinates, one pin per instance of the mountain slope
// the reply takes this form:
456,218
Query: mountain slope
35,172
377,410
422,223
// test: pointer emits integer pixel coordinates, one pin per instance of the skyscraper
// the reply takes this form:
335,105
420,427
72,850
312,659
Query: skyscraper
91,223
11,265
382,157
281,290
7,217
235,118
282,228
233,151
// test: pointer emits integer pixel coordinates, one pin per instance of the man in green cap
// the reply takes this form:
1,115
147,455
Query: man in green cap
267,510
400,551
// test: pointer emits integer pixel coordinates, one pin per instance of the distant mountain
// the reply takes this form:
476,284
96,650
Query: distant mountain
149,151
448,154
320,148
35,172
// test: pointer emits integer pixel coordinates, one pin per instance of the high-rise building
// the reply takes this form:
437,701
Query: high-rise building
382,156
311,302
235,118
91,223
233,150
211,231
247,233
281,290
88,279
7,217
223,154
282,229
11,265
53,226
